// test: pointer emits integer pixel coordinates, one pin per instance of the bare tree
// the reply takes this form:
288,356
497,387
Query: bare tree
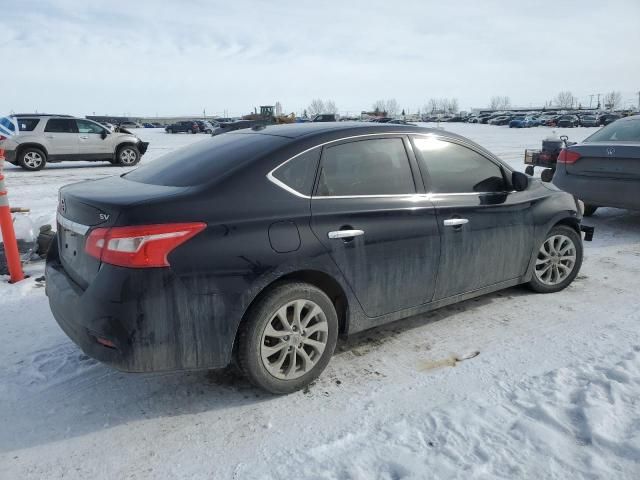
391,107
330,107
379,107
432,105
565,99
498,102
452,106
612,100
316,107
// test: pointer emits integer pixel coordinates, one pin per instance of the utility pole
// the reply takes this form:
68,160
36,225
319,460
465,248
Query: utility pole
639,101
598,107
590,100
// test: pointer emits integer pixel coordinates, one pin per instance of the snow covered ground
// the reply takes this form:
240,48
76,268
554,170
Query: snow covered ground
554,392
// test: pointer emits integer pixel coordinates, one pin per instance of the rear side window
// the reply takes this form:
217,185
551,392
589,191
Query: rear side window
61,125
206,160
366,167
619,131
453,168
28,124
300,172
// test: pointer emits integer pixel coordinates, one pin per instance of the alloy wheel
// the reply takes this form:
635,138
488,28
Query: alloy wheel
294,339
33,159
556,260
128,156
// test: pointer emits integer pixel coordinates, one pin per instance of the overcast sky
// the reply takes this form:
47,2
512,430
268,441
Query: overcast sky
173,58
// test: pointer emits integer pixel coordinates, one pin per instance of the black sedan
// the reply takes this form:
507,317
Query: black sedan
604,169
265,245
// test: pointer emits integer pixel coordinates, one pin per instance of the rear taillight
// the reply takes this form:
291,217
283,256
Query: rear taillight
144,246
568,156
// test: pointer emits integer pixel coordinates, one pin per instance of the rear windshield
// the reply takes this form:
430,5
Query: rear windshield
619,131
206,160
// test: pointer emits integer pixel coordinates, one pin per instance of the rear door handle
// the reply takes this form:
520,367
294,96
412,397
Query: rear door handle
345,234
455,222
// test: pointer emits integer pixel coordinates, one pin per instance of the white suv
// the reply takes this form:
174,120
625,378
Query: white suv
56,138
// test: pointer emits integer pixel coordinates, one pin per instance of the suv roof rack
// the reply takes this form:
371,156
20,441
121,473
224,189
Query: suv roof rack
40,115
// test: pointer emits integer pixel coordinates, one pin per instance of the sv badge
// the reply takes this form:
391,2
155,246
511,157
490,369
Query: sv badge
104,217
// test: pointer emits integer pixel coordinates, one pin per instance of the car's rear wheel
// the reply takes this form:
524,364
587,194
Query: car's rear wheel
189,131
558,260
170,130
32,159
288,337
128,156
589,209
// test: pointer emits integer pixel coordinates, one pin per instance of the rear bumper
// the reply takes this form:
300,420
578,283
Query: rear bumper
152,321
600,191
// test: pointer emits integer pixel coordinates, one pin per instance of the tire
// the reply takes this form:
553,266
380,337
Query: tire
547,174
32,159
170,130
127,156
189,131
529,170
269,372
589,210
561,246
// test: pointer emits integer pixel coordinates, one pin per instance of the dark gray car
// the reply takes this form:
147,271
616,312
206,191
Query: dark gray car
604,169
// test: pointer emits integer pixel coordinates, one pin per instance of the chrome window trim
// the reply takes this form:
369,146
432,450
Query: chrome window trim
287,188
72,226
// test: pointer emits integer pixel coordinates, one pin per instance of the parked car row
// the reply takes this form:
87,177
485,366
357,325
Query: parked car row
534,119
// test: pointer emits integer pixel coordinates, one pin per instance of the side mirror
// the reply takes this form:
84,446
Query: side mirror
519,181
104,134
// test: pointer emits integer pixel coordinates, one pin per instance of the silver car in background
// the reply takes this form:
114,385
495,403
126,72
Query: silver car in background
56,138
604,169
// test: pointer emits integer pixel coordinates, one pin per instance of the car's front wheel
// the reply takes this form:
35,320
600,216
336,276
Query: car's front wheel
288,337
32,159
558,260
128,156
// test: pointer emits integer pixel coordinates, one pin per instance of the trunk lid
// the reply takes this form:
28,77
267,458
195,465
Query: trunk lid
84,206
608,160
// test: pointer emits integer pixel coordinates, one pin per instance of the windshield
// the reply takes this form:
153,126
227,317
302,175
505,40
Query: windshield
619,131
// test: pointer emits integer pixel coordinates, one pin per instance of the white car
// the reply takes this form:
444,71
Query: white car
56,138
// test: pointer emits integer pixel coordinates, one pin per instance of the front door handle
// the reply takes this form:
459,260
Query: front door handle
84,137
455,222
345,234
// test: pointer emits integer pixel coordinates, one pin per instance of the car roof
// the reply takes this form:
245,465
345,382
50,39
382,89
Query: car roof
311,129
40,115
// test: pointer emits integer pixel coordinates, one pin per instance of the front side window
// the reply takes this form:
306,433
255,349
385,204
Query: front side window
28,124
366,167
299,172
85,126
453,168
620,131
61,125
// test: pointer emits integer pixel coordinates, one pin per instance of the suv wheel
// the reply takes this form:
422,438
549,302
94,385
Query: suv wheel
288,337
128,156
170,130
32,159
189,131
558,260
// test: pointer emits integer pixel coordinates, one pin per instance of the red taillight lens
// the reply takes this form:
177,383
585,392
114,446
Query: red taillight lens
144,246
568,156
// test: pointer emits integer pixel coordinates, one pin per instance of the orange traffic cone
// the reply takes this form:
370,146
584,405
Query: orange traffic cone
8,234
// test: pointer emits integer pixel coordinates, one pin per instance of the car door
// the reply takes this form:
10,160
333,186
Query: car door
91,143
61,138
486,230
376,223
